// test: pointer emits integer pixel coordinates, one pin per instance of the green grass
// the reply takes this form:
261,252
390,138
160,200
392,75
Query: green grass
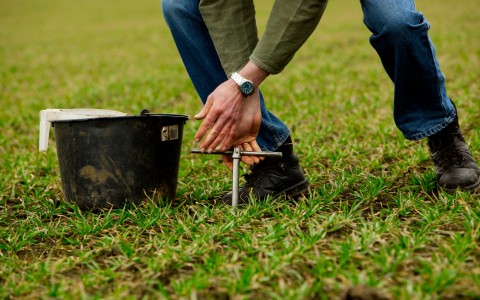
374,217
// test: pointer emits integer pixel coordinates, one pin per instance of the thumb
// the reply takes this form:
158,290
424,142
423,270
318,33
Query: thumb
206,108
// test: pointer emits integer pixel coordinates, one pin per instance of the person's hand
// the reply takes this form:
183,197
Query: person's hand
249,160
230,119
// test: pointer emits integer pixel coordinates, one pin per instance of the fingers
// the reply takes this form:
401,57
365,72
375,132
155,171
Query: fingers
216,132
214,128
256,148
202,130
215,137
228,161
249,160
205,109
207,123
227,142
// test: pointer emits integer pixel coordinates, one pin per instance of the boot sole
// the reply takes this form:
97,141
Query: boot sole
467,188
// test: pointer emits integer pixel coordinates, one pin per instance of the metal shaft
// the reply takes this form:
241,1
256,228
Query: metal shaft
236,163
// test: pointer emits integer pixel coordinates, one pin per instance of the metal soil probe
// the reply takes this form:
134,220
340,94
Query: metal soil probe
237,154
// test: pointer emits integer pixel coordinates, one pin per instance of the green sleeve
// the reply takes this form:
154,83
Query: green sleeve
232,26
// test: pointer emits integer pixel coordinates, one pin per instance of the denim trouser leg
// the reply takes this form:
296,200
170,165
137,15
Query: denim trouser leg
421,105
203,65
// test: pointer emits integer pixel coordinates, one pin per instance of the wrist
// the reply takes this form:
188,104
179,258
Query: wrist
253,73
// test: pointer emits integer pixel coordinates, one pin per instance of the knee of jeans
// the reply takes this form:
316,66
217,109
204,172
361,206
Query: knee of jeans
399,25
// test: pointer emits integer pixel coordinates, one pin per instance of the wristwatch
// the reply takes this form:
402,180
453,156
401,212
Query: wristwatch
245,85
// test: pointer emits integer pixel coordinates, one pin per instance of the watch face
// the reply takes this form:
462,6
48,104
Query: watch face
247,87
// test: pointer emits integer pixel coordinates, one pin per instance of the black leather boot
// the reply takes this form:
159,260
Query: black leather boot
273,177
455,166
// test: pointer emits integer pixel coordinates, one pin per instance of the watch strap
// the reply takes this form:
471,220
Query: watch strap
239,79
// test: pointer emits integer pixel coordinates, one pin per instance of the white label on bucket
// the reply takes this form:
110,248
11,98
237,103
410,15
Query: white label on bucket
170,133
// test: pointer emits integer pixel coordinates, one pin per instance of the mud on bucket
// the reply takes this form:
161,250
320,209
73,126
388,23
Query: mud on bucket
108,161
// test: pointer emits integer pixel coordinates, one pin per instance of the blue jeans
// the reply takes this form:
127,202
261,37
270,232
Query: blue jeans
421,106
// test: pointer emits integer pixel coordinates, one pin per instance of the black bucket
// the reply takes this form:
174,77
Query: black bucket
107,162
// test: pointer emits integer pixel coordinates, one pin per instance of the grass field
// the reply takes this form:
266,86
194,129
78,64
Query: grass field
374,217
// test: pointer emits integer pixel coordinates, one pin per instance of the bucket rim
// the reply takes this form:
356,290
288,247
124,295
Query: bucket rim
178,117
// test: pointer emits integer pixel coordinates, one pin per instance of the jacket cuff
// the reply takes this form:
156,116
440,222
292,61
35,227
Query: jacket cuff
270,69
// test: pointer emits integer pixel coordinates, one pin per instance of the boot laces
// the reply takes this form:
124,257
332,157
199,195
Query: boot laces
258,172
453,155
